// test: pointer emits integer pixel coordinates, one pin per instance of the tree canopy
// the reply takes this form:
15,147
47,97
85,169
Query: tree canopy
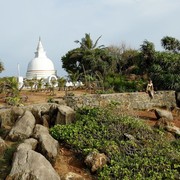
126,69
171,44
1,67
88,58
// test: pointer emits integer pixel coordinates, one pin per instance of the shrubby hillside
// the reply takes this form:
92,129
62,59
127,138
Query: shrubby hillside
134,149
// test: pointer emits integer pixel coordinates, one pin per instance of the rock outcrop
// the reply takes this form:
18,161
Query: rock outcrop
23,127
34,157
47,145
28,164
161,113
66,115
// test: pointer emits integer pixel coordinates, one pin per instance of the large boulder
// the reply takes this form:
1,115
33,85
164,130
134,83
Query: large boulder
23,127
17,112
28,164
46,120
32,142
39,129
162,113
66,115
47,145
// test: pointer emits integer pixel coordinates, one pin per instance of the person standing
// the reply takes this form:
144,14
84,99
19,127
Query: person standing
150,89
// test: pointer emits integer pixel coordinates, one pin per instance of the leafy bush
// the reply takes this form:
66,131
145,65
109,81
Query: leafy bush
122,84
147,156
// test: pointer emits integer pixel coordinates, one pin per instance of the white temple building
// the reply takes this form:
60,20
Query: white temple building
41,67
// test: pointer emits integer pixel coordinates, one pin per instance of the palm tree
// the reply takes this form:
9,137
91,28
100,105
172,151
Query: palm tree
11,86
39,84
31,83
61,82
87,43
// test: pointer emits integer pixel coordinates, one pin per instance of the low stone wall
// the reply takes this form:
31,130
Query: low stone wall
134,100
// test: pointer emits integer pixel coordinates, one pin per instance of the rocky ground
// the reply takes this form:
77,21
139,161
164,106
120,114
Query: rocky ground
69,161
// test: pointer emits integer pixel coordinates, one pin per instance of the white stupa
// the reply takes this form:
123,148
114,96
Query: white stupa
41,66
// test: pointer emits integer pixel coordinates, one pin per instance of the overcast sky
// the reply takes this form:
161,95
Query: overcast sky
60,22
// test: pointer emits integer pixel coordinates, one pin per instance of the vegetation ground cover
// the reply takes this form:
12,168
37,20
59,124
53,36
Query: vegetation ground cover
148,156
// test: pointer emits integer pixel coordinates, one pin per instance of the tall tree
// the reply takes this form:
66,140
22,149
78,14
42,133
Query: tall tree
87,43
148,55
170,44
88,58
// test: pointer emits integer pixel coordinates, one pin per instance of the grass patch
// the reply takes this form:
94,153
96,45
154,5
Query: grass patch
6,160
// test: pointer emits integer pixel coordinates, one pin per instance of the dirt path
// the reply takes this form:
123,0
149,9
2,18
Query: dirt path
69,161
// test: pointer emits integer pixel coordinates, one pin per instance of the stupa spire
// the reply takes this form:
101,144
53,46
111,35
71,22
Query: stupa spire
40,50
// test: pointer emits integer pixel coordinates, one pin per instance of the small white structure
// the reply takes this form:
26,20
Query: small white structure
20,82
41,67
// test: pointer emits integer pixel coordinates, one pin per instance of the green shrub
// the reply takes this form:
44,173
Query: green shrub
148,156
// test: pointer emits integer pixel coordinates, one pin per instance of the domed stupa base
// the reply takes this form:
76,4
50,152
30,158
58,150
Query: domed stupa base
41,67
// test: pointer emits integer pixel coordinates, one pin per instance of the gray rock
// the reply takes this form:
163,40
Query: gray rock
48,146
95,160
129,137
39,129
59,101
173,129
24,146
161,113
28,164
36,111
66,115
23,128
46,120
31,141
17,112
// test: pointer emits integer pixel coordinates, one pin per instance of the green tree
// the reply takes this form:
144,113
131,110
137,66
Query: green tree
1,67
165,71
61,83
148,53
87,43
9,86
40,84
170,44
88,58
